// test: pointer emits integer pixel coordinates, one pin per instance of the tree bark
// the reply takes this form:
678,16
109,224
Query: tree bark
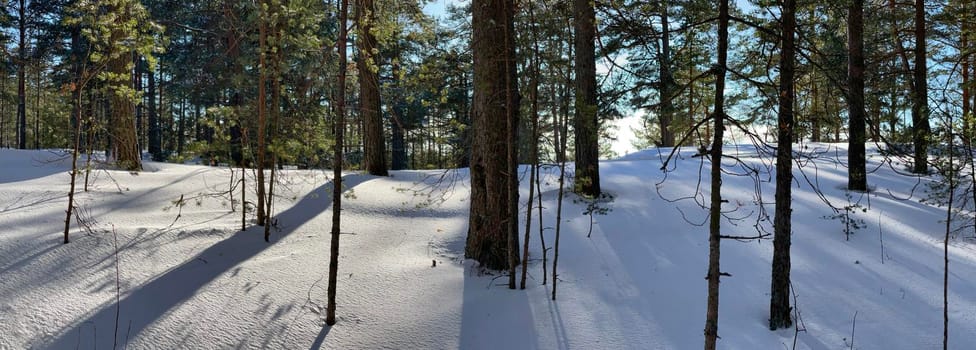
920,109
494,114
856,169
155,139
122,108
140,116
262,106
181,128
21,77
398,147
967,132
586,123
779,303
369,90
715,210
667,81
340,127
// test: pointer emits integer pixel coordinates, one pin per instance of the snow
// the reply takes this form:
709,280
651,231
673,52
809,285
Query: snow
190,279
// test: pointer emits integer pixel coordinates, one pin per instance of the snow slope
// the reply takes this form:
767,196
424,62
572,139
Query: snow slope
190,279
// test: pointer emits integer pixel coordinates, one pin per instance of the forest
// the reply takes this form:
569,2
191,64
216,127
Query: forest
494,124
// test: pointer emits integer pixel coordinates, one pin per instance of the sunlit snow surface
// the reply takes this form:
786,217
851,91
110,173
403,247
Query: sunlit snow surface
190,278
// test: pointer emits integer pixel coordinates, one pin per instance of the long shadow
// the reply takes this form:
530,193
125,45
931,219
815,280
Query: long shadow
149,302
40,164
489,304
320,339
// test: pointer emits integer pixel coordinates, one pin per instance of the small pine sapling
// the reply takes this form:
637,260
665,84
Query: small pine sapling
846,216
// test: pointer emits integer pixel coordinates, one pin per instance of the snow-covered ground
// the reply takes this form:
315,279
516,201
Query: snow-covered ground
190,279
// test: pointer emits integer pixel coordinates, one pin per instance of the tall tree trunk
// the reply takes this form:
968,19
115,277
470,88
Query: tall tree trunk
397,132
3,109
715,210
340,126
122,109
875,119
398,143
667,81
276,62
21,77
779,303
137,85
494,114
369,90
856,169
155,138
816,132
76,143
586,123
920,109
37,107
967,132
533,140
181,128
262,106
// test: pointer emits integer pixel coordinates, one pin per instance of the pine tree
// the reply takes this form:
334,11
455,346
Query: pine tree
856,169
779,304
340,126
116,29
369,89
493,230
22,42
715,203
586,123
920,94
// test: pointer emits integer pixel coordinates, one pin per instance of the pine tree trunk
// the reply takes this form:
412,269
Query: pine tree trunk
3,110
397,132
494,113
122,121
967,132
779,304
140,116
181,128
122,108
261,107
369,90
21,77
715,210
533,140
340,126
920,109
856,170
667,81
586,123
155,138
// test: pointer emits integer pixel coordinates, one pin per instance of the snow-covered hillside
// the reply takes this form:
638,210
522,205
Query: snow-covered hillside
189,278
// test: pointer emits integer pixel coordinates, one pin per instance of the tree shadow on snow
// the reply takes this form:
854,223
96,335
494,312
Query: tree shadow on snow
493,316
150,302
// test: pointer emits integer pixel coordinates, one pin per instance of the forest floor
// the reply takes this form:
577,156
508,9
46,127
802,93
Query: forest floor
187,277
